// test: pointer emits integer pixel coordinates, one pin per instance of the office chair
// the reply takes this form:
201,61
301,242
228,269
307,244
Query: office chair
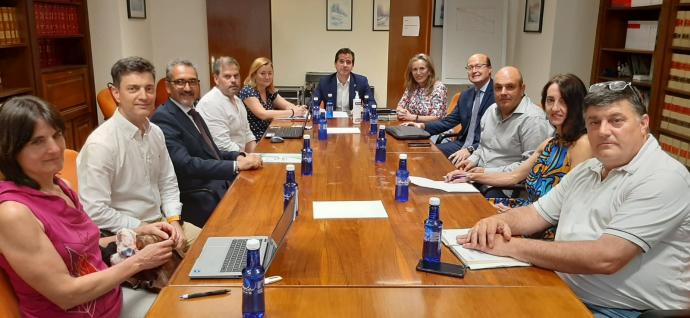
69,169
455,132
106,102
161,94
10,304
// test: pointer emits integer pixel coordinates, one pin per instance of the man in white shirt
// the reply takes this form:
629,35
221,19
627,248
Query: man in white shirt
224,112
125,174
623,216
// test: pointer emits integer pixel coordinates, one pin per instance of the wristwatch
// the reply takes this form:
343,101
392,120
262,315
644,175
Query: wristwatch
470,149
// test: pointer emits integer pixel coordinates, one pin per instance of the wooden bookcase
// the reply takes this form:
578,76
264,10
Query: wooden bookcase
609,51
53,61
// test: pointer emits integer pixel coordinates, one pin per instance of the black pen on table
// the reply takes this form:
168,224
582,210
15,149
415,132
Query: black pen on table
204,294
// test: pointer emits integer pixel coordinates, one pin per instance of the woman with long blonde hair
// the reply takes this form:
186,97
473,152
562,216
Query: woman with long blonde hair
425,98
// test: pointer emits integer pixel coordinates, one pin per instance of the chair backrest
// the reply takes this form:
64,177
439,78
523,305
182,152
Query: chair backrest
161,93
453,103
69,169
106,102
10,304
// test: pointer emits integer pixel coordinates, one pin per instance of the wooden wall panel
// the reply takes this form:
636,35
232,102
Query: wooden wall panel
401,49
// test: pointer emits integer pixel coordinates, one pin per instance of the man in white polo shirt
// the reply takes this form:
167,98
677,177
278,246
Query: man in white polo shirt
622,242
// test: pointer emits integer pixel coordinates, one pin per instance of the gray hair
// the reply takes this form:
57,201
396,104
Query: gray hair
176,62
224,60
606,97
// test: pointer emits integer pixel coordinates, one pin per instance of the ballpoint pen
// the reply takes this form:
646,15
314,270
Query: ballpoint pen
204,294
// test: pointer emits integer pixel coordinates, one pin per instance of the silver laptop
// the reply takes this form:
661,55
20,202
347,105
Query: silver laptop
225,257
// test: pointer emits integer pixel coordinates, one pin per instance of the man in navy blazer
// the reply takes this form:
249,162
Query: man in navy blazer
479,74
203,171
344,83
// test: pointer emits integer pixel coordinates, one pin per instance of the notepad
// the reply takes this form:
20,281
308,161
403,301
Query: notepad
349,209
342,130
440,185
281,157
476,259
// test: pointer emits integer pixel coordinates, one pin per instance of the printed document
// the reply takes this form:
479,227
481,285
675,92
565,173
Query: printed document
476,259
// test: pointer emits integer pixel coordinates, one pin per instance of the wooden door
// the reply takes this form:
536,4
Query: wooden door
241,29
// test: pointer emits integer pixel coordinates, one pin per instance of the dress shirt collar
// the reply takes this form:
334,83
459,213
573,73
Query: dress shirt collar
347,83
128,129
636,161
483,89
183,108
520,109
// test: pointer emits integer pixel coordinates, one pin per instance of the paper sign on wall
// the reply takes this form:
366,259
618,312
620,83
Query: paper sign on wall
410,26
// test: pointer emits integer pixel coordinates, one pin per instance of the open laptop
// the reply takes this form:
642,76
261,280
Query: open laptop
225,257
292,132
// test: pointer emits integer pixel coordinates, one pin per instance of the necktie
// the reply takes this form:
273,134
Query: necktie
473,120
205,134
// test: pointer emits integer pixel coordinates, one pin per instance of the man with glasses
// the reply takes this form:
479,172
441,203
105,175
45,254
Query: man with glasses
224,112
203,171
623,216
469,111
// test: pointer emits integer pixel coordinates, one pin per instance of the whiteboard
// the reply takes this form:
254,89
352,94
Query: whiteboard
472,26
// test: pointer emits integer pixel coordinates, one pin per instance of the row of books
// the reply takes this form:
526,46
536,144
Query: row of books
681,31
55,19
678,149
9,27
679,74
48,55
675,115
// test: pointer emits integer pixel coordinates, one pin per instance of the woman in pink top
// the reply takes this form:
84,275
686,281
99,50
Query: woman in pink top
425,98
49,247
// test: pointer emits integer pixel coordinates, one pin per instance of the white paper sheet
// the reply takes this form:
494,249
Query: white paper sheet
440,185
342,130
410,26
349,209
340,114
295,118
281,157
475,259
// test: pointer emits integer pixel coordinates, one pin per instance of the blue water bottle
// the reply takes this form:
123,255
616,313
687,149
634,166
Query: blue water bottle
315,108
365,104
253,303
329,106
374,118
323,126
307,156
381,145
431,251
291,189
402,180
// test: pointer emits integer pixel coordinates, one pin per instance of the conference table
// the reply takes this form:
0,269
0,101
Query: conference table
359,267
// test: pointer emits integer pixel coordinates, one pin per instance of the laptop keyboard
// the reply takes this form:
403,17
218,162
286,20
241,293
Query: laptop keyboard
289,132
236,259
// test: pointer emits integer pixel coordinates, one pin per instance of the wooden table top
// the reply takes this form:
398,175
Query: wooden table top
377,302
354,252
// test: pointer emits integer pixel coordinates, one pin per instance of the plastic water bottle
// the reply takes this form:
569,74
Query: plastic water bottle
315,108
431,251
329,106
374,120
365,104
356,109
291,189
253,302
307,156
381,145
323,126
402,180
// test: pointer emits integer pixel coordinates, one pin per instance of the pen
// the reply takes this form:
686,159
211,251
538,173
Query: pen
204,294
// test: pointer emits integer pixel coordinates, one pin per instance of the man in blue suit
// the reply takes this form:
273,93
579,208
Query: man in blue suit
203,171
343,83
469,111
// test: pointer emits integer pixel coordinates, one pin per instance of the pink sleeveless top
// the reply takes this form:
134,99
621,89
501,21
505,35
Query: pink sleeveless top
75,238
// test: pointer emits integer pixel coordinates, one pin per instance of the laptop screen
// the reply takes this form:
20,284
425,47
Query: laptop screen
280,231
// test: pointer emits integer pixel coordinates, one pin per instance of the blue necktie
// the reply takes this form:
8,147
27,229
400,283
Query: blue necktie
473,120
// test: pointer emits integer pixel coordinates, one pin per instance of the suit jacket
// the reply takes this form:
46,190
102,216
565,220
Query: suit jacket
202,179
462,115
328,84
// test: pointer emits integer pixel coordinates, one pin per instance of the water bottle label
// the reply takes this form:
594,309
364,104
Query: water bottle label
432,236
307,159
248,289
402,181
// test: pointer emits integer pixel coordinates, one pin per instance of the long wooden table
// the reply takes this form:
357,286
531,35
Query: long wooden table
354,253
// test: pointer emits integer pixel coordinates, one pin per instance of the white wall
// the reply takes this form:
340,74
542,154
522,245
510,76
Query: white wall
301,43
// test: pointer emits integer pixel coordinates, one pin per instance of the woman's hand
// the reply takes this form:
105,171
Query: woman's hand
153,255
404,114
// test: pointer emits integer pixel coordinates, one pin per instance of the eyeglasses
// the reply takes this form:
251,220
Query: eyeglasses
181,83
475,67
615,86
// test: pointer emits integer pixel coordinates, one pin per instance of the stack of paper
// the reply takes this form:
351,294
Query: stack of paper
475,259
342,130
440,185
280,157
340,114
349,209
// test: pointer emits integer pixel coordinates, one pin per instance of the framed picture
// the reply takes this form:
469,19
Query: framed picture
136,9
438,13
339,15
382,14
534,14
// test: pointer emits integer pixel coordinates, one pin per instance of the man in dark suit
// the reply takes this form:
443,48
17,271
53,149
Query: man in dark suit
343,83
203,171
469,111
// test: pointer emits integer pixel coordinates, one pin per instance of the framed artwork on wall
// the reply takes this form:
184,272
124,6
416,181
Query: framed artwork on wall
438,13
534,14
339,15
382,14
136,9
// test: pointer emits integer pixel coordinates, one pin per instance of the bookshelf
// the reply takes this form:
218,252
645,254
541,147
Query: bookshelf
52,59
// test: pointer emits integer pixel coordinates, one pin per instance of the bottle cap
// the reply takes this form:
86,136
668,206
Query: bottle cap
373,105
403,156
306,137
434,201
366,96
330,95
381,127
253,244
316,98
290,167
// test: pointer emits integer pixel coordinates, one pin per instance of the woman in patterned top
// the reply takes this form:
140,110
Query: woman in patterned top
424,98
562,97
261,99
